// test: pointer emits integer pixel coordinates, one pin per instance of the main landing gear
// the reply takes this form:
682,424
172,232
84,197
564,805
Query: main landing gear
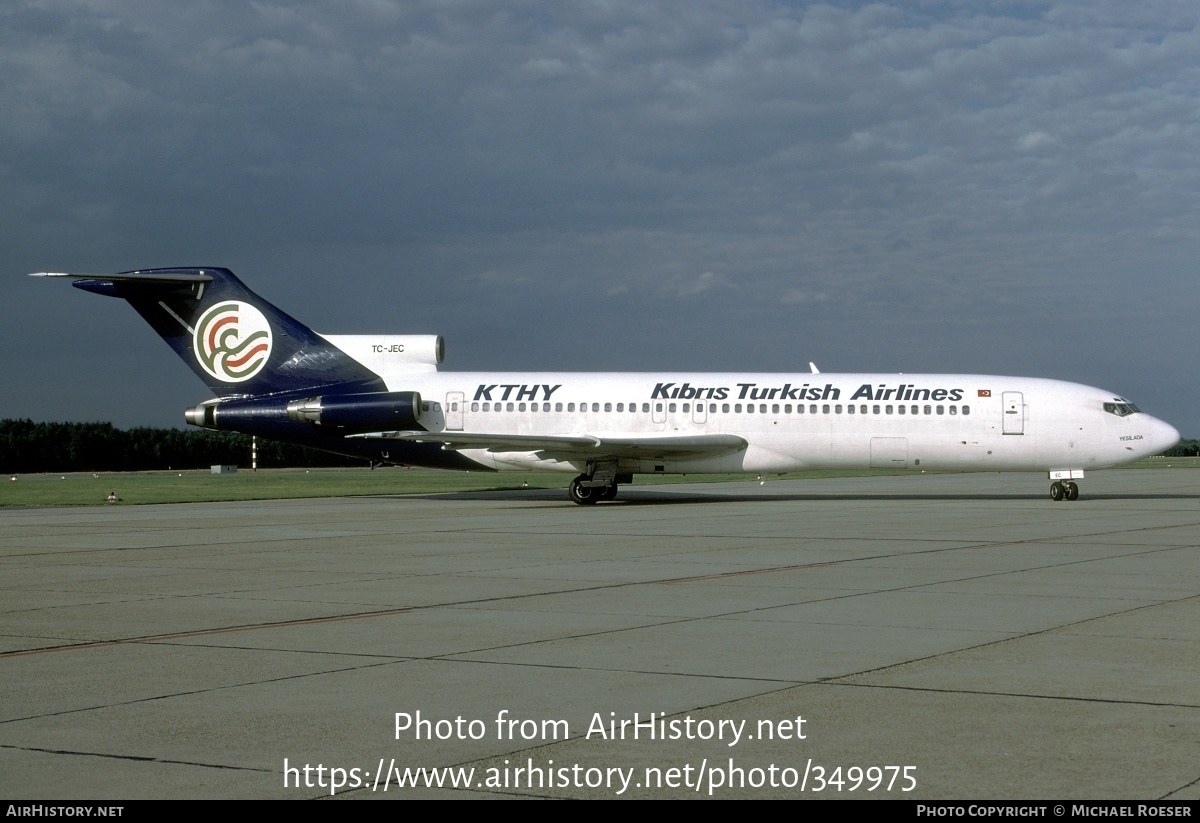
1064,490
600,485
586,495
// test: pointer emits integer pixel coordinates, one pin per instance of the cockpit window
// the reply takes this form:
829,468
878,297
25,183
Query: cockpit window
1121,409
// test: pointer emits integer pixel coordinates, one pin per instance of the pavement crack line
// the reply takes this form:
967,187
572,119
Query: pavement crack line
138,758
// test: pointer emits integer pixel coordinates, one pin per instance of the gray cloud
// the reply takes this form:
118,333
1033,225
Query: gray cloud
875,186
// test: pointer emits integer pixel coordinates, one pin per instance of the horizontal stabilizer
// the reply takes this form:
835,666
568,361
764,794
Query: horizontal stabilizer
190,276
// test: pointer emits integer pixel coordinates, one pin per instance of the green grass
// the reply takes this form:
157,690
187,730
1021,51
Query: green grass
198,486
201,486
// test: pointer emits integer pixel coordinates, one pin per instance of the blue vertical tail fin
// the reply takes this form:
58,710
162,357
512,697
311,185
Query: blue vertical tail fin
236,342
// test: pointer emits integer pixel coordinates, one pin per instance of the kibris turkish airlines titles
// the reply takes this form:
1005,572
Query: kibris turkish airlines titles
739,391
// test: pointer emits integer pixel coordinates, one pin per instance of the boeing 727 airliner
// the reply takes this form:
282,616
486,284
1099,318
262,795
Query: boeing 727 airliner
382,398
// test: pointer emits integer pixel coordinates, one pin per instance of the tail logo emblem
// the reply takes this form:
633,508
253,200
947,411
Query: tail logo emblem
232,341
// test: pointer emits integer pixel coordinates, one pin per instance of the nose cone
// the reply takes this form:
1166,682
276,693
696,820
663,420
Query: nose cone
1162,436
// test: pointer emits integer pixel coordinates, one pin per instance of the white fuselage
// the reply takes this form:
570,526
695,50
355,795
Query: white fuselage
793,422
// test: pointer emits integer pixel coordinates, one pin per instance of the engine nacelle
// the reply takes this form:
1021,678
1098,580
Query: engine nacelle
391,356
357,413
236,414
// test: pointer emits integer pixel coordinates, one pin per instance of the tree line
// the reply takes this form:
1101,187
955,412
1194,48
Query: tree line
27,448
1184,448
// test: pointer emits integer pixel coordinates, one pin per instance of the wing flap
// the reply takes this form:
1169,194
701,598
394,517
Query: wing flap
581,446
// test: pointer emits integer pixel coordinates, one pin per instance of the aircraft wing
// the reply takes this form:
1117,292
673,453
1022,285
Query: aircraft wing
581,446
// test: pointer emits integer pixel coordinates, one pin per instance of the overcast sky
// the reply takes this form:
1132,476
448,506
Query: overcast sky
1005,188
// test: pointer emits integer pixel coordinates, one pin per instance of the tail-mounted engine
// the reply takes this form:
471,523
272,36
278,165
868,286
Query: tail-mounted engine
335,414
357,413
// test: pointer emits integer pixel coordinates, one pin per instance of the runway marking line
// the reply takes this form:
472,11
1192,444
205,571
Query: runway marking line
207,632
749,572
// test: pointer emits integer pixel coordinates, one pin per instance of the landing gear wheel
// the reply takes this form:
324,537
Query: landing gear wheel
1071,490
1057,491
583,495
608,492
